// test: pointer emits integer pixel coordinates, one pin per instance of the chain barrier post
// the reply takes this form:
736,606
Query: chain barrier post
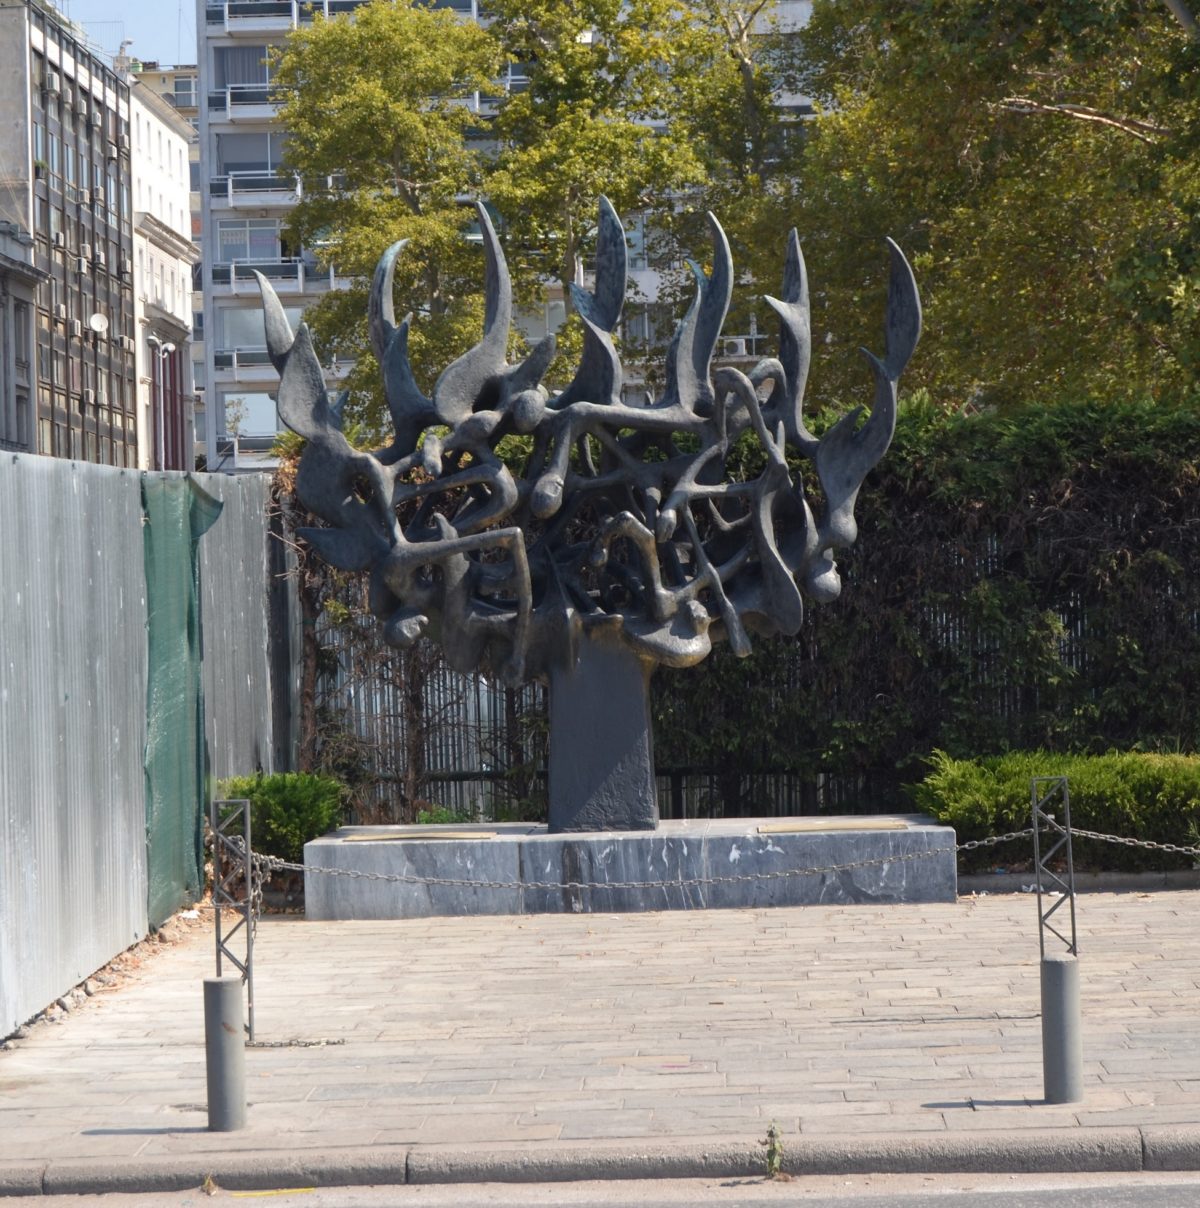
224,1054
225,1028
234,862
1062,1043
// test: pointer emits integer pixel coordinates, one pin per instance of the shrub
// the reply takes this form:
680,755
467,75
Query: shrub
287,809
1134,795
433,814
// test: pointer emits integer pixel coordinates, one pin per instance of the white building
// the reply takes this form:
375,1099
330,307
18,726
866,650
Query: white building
163,255
244,204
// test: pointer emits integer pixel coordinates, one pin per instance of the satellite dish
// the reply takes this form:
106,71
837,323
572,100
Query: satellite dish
98,324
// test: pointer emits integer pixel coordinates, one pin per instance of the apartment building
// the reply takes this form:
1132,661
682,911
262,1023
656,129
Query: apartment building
244,203
95,253
65,195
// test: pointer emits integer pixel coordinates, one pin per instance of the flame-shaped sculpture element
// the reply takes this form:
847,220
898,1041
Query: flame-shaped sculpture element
617,524
623,525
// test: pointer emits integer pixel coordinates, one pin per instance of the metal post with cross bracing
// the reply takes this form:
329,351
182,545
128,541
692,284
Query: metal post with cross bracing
235,891
1062,1047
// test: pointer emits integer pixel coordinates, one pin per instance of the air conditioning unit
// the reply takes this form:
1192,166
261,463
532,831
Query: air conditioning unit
97,116
60,239
53,84
85,250
101,260
60,311
112,150
126,267
81,265
127,343
89,397
76,328
98,197
81,105
735,348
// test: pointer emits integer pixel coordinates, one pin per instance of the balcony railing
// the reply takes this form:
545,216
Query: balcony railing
234,185
240,358
252,101
254,16
295,274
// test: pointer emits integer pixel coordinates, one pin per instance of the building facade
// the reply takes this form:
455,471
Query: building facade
164,255
65,185
244,204
178,85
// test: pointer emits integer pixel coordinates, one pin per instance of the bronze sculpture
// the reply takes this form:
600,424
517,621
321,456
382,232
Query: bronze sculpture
622,544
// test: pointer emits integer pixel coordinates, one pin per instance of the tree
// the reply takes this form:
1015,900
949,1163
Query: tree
381,136
739,64
593,118
1040,161
375,106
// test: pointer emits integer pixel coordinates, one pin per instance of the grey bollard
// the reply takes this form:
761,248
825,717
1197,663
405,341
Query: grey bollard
1062,1045
225,1053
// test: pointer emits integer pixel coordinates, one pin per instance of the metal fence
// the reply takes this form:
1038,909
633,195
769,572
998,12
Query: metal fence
479,748
72,726
73,707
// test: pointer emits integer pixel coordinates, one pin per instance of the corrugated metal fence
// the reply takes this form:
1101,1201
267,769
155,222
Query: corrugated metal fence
73,708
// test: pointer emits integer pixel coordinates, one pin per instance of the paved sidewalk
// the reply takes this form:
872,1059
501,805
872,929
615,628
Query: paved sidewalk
648,1041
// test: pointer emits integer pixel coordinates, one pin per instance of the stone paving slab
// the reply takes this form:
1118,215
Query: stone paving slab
856,1029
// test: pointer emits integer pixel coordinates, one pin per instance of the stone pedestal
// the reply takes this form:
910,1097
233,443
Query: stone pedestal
601,743
736,863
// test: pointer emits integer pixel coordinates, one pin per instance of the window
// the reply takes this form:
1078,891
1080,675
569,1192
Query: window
249,152
250,414
247,239
185,92
236,65
242,327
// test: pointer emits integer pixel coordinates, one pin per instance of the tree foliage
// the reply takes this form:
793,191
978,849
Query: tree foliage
380,133
1040,160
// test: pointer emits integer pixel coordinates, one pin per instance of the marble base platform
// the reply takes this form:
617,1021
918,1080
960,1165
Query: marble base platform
528,871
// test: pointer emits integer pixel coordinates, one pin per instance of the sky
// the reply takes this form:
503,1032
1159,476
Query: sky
162,30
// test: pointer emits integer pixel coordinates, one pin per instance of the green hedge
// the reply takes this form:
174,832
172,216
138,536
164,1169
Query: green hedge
287,809
1134,795
1023,580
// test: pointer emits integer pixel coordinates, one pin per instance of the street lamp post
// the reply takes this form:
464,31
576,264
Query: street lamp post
163,349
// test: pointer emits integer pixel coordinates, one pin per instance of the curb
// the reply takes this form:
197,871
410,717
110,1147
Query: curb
1085,882
1014,1151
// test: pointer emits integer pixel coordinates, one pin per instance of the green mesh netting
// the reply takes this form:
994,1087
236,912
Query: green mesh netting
177,513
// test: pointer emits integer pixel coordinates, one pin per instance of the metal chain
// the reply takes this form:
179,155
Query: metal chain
275,864
991,841
1148,844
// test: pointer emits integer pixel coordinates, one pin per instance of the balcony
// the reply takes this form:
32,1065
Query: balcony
249,363
242,358
242,103
253,18
255,187
289,275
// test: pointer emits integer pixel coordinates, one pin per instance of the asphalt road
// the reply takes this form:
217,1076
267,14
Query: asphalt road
861,1191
